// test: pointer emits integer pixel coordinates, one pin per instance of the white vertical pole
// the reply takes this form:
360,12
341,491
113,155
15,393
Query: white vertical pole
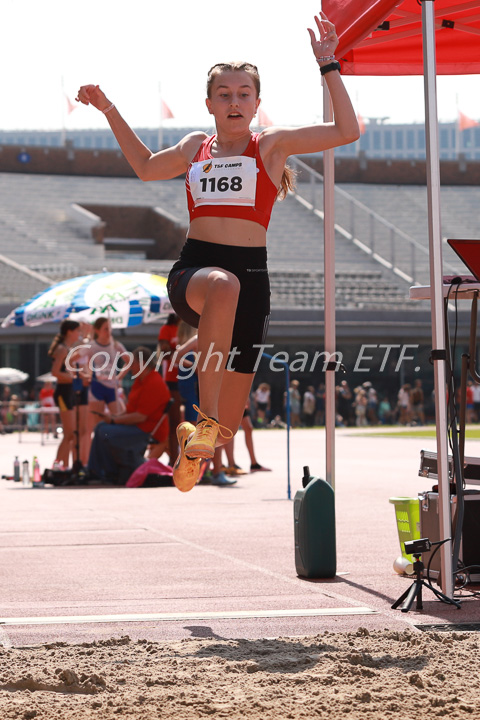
160,118
436,285
457,132
63,140
329,290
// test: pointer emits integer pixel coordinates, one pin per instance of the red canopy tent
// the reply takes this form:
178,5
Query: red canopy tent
407,37
384,37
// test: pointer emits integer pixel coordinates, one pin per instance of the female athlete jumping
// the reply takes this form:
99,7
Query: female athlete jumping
220,282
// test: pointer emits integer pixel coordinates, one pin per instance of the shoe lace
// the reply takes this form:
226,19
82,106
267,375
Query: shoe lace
211,422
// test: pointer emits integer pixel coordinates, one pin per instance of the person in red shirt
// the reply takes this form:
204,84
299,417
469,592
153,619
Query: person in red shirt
167,343
120,441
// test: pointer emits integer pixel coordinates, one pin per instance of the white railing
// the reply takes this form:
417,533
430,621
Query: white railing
373,234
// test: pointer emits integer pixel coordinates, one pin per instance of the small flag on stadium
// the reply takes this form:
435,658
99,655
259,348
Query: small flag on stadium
361,124
166,112
464,122
70,106
263,119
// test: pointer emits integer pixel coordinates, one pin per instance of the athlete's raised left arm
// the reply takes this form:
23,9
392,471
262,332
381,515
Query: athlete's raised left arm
344,128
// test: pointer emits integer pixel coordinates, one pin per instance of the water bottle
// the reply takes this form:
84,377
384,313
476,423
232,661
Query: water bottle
402,566
26,474
37,479
16,469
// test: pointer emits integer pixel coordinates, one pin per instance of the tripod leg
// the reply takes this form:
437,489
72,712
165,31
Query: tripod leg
412,594
419,595
401,599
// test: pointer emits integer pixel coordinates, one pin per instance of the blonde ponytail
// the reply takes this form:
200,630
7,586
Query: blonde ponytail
287,183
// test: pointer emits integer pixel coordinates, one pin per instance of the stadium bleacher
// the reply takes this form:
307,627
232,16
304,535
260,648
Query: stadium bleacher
39,231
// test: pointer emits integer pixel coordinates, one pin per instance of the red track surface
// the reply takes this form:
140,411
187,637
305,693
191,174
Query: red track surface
106,552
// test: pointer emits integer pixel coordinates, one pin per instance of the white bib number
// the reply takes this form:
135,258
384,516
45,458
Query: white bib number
224,181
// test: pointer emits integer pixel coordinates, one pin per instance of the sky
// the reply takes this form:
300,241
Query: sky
136,50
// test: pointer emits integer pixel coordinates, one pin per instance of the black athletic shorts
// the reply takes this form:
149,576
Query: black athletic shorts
253,309
66,398
63,396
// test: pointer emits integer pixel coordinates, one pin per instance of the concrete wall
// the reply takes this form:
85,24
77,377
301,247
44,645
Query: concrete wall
398,172
111,163
63,161
123,221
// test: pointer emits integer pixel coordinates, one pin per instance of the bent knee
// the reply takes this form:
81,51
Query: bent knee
224,284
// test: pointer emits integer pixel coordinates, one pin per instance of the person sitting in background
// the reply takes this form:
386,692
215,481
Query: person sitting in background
120,441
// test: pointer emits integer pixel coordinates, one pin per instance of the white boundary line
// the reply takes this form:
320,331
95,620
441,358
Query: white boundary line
356,608
168,617
4,639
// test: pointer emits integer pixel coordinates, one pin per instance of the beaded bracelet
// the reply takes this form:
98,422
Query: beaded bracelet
325,58
107,110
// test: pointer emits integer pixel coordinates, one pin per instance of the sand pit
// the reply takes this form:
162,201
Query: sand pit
367,674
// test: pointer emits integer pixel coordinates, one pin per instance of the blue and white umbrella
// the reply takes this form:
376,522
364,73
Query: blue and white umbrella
126,298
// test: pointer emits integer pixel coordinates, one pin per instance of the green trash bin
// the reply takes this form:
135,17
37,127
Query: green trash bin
407,513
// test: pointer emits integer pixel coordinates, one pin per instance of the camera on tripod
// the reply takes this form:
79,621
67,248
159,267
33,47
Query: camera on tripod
416,547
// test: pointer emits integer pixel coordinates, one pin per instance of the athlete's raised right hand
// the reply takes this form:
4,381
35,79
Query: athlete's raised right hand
92,95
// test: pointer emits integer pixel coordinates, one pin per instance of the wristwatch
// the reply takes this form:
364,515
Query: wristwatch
335,65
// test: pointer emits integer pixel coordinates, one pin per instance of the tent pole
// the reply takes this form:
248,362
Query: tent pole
329,290
436,285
